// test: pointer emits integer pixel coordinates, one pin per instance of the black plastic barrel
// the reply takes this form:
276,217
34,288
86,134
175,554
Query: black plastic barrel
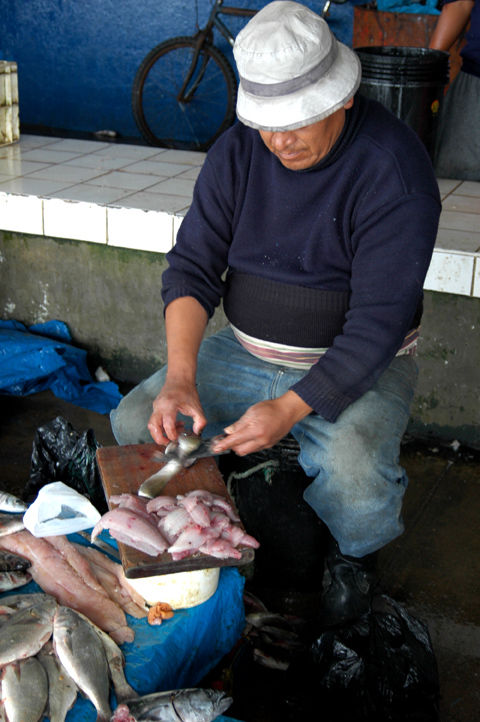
409,81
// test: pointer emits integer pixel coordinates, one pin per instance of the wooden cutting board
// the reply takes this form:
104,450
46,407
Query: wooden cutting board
124,468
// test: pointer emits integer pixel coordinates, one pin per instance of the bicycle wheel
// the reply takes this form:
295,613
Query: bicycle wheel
210,109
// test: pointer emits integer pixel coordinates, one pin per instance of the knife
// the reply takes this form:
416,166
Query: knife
179,454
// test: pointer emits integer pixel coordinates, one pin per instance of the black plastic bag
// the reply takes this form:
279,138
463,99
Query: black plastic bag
381,668
62,454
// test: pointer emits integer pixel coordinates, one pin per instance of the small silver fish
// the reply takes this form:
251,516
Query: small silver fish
25,632
13,580
81,653
187,705
24,690
10,562
62,691
11,503
10,523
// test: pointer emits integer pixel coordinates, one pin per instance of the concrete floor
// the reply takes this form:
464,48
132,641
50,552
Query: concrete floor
433,569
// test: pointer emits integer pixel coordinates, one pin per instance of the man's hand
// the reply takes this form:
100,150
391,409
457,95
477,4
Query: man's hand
263,424
175,398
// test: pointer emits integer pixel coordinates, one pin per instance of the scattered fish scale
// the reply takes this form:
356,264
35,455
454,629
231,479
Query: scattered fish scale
24,690
180,705
81,652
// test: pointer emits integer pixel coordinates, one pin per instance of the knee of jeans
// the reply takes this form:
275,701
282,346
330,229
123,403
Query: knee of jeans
129,420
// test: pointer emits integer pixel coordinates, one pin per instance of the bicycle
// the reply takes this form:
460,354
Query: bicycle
184,91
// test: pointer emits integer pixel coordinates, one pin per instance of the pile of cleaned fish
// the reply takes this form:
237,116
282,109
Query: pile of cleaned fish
49,652
198,522
79,577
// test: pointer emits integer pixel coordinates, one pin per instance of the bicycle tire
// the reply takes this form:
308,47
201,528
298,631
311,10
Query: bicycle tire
164,122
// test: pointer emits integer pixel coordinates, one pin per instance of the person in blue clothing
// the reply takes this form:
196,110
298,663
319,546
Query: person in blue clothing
313,220
457,146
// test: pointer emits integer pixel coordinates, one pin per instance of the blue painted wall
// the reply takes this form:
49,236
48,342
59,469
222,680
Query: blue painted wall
77,58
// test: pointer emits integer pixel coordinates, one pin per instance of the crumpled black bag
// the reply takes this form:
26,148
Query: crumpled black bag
60,453
379,669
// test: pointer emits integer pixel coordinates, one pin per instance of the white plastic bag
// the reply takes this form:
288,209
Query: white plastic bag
58,509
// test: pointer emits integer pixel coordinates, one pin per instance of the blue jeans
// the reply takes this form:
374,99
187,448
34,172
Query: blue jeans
358,484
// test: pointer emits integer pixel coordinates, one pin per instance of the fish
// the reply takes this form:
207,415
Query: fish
14,602
11,503
178,705
10,523
55,576
81,653
127,526
116,664
10,562
62,690
25,632
13,580
24,690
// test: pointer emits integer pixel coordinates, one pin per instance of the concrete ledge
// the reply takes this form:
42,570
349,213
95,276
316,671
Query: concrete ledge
135,197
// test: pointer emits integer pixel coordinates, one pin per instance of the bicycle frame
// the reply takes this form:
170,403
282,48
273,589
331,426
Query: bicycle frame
204,35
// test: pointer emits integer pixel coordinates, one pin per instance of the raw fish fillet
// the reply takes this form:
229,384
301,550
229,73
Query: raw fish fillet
58,578
126,526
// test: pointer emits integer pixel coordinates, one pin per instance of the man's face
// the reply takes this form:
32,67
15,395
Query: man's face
305,147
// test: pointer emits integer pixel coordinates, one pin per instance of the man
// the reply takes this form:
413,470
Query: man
314,220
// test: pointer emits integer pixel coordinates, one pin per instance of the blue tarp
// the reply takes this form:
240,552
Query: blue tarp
397,6
42,357
181,651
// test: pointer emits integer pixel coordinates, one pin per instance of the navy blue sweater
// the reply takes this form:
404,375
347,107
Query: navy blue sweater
334,256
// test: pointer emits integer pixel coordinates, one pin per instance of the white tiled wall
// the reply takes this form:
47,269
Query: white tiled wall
136,196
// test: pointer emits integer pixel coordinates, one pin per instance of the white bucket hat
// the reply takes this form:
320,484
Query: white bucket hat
293,71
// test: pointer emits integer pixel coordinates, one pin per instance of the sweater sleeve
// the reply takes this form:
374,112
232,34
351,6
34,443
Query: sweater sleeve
199,258
393,248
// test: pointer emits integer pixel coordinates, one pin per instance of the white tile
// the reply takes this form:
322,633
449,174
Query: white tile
47,155
121,179
65,172
191,173
33,186
469,188
463,203
21,213
36,141
141,230
99,161
156,202
156,167
447,185
77,145
476,278
130,152
187,157
456,220
16,166
174,187
451,240
92,194
177,222
450,273
77,220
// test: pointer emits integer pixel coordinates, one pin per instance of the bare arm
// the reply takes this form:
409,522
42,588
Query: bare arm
185,323
452,21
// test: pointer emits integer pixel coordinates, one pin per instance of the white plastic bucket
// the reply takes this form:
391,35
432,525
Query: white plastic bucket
181,590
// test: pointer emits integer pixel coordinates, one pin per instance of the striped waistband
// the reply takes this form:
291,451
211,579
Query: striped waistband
299,357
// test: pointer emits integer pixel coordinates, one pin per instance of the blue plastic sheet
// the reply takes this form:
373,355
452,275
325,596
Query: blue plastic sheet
430,7
42,357
181,651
